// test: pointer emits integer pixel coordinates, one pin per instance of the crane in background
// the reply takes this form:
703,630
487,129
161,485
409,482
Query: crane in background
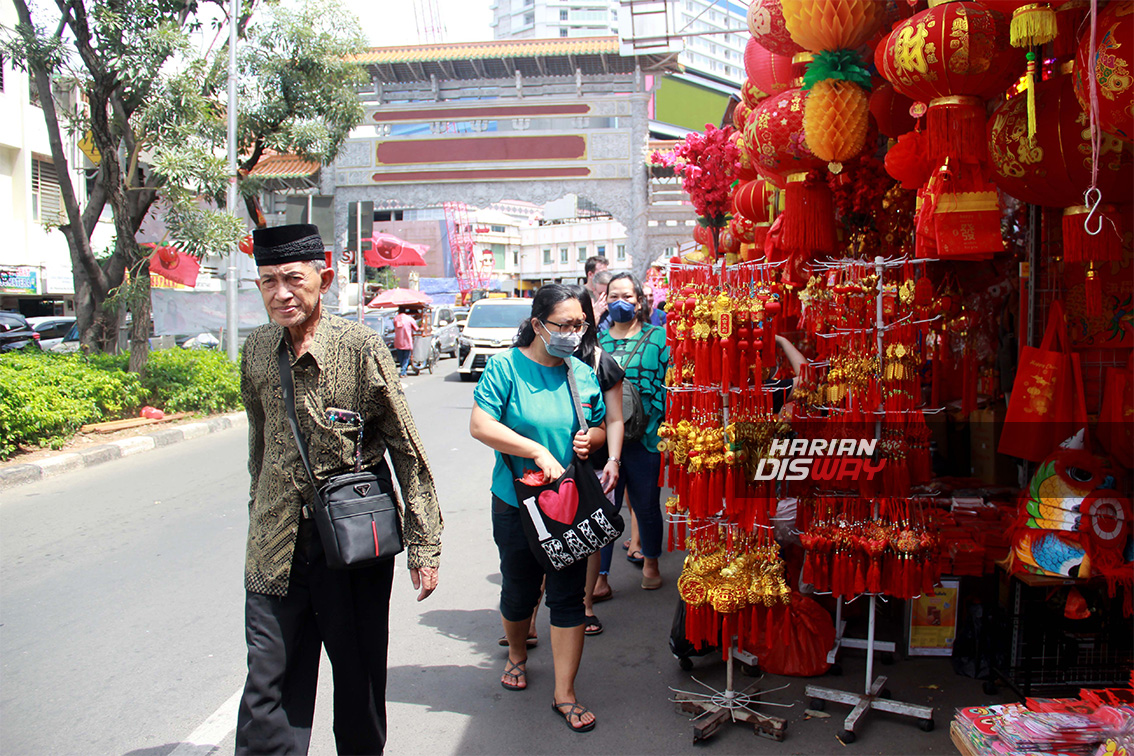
430,29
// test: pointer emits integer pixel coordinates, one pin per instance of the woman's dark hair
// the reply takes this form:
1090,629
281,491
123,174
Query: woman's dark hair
543,304
587,347
643,305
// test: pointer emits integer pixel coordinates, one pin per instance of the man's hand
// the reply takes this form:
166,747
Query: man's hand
598,303
424,579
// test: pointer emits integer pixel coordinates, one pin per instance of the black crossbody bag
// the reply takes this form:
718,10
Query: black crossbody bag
358,523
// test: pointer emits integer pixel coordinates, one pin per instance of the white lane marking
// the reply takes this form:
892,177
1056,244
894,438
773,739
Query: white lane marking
213,730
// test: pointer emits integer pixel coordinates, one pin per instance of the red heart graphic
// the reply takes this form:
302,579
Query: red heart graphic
561,505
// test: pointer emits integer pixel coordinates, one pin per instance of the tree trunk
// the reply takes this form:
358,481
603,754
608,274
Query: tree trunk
140,325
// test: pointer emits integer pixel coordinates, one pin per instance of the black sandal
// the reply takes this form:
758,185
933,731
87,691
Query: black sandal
635,558
576,711
596,623
510,671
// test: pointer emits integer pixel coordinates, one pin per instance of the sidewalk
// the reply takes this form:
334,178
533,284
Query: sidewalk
17,473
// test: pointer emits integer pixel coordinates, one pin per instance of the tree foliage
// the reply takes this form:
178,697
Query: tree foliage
156,111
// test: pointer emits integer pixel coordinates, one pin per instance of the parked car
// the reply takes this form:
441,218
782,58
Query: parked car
16,332
381,321
51,328
491,327
462,316
446,333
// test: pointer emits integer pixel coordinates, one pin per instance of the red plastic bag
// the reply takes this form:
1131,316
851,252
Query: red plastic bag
811,635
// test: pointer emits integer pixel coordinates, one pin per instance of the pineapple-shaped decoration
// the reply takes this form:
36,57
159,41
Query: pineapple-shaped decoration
836,116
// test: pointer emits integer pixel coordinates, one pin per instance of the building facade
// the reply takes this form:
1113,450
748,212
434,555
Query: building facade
35,262
721,26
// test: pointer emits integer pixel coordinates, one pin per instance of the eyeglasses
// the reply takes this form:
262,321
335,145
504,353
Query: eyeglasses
568,327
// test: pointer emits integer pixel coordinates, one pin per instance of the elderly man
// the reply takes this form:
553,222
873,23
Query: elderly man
594,266
295,605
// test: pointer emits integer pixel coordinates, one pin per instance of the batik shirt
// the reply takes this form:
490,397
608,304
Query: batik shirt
348,367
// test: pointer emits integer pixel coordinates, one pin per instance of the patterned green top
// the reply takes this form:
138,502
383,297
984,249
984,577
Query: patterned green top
349,367
647,370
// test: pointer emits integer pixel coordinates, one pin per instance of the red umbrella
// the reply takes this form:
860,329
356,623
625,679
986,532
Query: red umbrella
387,249
399,297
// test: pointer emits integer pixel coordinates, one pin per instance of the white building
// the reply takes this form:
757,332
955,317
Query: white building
718,49
35,263
529,251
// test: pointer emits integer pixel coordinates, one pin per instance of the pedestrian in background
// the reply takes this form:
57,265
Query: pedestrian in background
405,326
596,287
523,409
641,350
295,605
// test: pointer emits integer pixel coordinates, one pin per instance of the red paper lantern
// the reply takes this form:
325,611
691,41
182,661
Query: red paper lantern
950,57
766,22
1053,168
703,235
169,257
768,72
776,144
751,200
749,94
1112,65
740,115
1068,20
743,230
891,110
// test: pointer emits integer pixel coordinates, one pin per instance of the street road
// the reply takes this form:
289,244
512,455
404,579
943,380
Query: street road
121,628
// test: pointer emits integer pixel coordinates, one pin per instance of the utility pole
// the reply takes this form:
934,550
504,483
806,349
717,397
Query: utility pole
232,280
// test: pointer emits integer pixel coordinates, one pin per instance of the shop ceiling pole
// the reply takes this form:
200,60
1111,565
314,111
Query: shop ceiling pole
232,280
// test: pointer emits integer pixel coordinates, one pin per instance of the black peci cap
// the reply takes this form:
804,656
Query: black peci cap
285,244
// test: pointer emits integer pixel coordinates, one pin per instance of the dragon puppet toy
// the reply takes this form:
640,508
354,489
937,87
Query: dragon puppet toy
1072,523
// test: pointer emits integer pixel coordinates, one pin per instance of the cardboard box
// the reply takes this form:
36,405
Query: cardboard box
984,437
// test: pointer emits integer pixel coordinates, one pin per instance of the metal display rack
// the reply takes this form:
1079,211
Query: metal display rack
875,695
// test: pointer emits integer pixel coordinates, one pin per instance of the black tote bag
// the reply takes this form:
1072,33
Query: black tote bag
569,519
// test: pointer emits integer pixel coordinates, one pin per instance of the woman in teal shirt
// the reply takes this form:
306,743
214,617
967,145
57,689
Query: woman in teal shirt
523,409
641,350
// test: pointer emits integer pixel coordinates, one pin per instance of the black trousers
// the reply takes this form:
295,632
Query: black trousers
345,611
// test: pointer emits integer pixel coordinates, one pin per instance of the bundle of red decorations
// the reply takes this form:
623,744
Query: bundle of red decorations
708,164
857,546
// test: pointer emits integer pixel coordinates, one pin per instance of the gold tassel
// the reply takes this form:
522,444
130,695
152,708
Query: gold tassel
1030,85
1032,25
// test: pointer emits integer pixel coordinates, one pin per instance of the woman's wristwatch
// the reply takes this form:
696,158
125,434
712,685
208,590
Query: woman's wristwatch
615,460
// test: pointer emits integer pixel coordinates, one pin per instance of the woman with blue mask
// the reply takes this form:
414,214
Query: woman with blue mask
641,351
523,410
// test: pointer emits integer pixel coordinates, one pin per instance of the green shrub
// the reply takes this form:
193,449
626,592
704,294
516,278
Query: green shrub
192,380
45,397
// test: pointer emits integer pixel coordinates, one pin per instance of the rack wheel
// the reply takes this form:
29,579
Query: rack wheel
751,670
885,693
926,725
835,670
685,663
886,658
817,704
990,688
846,736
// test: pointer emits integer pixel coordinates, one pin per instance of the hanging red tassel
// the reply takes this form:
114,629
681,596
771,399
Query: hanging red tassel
1080,246
956,126
809,215
1092,291
874,576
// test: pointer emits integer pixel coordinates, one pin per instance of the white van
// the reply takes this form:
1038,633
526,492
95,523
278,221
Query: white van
491,327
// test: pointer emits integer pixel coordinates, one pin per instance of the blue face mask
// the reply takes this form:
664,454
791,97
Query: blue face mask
621,311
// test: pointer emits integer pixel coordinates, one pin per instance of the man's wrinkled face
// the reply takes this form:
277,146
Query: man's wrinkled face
291,291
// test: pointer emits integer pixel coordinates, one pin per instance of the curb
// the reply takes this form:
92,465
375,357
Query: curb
19,474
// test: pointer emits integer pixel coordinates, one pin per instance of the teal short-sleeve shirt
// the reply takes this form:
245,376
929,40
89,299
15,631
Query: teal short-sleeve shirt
535,401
